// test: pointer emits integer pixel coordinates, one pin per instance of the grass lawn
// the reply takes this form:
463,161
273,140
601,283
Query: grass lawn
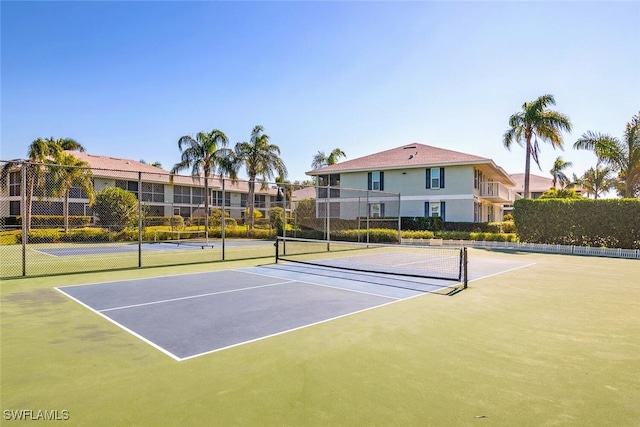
554,344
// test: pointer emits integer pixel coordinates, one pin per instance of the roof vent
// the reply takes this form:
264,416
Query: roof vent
410,147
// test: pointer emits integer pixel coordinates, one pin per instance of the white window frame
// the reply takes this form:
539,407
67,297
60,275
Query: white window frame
434,209
435,180
375,210
375,180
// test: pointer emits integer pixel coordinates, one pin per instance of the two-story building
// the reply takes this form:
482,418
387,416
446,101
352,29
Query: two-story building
162,193
431,181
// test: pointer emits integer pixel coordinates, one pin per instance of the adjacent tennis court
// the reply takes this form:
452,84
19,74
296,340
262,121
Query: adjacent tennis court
80,249
186,316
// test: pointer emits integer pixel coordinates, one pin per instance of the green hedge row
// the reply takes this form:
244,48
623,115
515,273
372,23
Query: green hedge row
460,235
612,223
436,224
53,221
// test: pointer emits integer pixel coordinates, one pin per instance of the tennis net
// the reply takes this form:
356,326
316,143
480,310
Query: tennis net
440,263
184,238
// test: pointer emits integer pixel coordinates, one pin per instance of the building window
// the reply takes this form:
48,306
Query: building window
477,209
14,208
181,194
435,209
477,179
435,178
376,210
131,186
156,210
260,201
77,193
182,211
47,208
14,183
375,181
152,192
197,196
217,198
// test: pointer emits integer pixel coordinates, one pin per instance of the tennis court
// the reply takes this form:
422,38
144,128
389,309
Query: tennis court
80,249
186,316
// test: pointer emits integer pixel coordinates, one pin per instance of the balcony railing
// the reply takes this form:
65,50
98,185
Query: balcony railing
496,192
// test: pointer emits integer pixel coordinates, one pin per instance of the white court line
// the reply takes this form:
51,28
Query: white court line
194,296
180,359
140,337
294,329
44,253
328,286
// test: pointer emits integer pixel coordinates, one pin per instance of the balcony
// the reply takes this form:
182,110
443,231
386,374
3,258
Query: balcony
497,193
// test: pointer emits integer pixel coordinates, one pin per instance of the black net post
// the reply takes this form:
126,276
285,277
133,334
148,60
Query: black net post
465,260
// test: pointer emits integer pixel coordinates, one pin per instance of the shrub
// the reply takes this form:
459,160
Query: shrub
418,234
151,221
86,235
420,223
477,227
116,208
276,218
376,235
177,222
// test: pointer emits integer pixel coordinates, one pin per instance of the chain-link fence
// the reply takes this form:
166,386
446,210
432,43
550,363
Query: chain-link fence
63,218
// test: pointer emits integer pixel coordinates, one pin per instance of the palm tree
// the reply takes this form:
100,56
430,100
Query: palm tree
320,159
39,152
154,164
66,171
205,154
533,122
557,172
623,156
597,181
261,158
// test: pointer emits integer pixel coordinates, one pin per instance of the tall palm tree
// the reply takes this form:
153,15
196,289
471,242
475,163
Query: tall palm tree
39,152
597,181
557,172
623,155
206,154
261,158
66,171
534,122
320,159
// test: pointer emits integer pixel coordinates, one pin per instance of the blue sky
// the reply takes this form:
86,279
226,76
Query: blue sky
128,79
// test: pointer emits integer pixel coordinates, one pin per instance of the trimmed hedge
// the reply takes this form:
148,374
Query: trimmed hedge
55,221
460,235
421,223
612,223
376,235
436,224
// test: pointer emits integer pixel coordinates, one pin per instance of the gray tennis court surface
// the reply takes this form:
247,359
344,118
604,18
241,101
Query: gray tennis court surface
79,249
185,316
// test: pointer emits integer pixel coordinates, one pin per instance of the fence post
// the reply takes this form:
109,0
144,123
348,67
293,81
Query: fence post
140,219
25,217
223,223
